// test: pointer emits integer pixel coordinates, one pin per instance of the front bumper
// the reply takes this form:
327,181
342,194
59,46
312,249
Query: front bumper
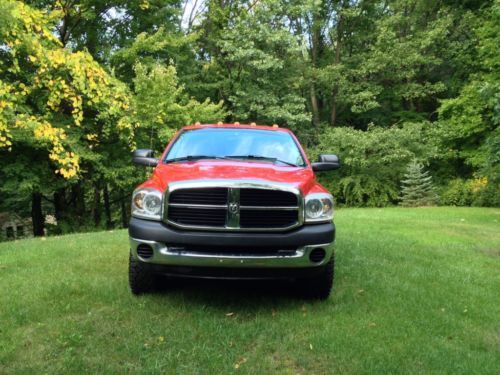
171,247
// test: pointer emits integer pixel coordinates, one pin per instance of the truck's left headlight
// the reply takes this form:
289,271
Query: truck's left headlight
147,204
318,207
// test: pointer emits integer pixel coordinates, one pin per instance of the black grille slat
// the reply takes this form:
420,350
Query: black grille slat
270,198
268,218
217,196
197,216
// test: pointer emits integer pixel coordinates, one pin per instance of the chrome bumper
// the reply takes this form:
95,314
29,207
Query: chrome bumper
165,256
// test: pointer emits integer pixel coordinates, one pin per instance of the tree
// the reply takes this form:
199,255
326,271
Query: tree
103,26
60,109
253,63
469,123
162,106
416,187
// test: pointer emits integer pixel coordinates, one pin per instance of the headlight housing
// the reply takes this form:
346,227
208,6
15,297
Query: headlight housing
147,204
318,207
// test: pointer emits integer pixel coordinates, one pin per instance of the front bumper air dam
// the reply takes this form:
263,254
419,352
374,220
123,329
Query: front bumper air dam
158,236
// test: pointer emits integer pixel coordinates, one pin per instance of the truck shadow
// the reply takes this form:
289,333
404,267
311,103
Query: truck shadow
231,293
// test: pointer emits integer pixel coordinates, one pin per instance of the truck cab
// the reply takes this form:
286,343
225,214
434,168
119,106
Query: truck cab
233,201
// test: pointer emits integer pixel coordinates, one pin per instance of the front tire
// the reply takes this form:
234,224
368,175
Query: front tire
320,286
140,279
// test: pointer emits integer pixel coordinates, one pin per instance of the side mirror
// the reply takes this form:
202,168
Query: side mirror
326,162
144,157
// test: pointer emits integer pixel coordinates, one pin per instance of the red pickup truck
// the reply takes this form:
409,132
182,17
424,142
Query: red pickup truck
233,201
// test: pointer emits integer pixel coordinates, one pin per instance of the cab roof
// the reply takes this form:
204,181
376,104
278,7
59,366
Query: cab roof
236,126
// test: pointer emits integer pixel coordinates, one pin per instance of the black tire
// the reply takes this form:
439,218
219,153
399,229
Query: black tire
140,279
320,286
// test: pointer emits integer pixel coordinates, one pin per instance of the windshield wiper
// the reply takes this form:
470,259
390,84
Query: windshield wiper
193,158
257,157
229,157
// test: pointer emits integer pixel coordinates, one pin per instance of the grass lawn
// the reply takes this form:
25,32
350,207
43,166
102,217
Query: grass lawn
416,291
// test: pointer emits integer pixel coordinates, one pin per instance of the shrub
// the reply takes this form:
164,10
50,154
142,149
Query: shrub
456,193
472,192
373,161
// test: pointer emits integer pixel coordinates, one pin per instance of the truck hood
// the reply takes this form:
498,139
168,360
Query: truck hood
303,178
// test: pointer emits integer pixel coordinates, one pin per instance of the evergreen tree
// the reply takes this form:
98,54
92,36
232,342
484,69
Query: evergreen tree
417,188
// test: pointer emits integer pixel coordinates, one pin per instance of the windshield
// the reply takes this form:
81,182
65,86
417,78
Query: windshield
245,144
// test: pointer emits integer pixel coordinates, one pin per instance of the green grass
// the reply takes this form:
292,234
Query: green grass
417,291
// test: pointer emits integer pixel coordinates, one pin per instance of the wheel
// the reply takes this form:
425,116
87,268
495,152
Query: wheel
140,279
319,286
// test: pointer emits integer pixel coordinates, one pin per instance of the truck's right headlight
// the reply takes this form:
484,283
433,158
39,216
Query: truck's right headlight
318,207
147,204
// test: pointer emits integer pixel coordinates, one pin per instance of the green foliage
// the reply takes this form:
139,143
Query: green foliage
472,192
162,106
373,161
416,187
471,120
158,48
54,99
457,193
256,63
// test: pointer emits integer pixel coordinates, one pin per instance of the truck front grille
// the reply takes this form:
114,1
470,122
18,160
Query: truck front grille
269,218
271,198
197,216
199,196
233,208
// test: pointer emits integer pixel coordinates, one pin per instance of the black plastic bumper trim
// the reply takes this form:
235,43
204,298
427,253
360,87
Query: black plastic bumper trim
160,232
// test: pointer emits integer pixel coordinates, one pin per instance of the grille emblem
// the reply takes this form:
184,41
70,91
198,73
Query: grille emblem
234,208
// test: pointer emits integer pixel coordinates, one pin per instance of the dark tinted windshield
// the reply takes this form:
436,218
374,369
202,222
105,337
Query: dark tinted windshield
245,144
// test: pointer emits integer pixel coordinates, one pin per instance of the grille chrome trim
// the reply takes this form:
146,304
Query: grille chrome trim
266,208
234,186
197,205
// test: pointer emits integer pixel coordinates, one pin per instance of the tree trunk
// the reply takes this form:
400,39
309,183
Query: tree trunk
78,199
37,215
97,209
314,105
60,206
333,114
107,207
315,40
338,46
123,208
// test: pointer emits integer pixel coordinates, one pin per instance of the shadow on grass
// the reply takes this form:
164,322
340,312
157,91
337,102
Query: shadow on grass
234,294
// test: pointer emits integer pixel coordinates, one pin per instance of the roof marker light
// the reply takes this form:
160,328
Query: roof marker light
219,123
236,123
275,126
253,124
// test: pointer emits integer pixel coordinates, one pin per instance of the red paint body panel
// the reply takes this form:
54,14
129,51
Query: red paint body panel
302,177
